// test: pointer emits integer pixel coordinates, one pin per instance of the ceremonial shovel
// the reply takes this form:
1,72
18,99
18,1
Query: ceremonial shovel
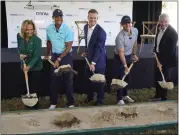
98,78
163,83
117,83
29,99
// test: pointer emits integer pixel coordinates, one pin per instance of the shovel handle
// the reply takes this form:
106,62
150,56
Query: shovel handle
156,58
88,63
159,68
131,65
51,62
25,73
26,78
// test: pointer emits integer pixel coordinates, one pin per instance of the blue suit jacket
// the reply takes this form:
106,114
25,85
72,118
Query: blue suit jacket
96,51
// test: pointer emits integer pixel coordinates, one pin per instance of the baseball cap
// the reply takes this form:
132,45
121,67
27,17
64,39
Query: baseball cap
57,12
125,19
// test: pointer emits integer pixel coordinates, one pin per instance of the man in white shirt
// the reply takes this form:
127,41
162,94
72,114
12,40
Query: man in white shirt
165,48
95,51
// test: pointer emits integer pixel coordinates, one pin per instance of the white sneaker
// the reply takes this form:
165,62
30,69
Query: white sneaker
121,102
71,106
52,107
128,99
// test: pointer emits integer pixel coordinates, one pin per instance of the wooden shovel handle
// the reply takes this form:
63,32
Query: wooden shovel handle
157,60
25,72
131,66
51,62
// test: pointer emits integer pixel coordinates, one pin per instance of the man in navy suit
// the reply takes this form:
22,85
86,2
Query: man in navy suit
95,38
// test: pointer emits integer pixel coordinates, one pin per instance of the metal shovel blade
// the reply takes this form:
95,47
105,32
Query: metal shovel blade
30,100
99,78
166,85
117,83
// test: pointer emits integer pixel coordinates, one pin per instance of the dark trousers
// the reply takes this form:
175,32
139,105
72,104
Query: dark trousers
118,73
94,87
66,78
161,92
34,78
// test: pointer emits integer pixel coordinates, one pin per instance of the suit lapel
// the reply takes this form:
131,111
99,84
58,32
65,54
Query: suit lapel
93,34
165,33
85,32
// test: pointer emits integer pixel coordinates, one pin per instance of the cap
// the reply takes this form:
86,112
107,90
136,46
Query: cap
57,12
125,19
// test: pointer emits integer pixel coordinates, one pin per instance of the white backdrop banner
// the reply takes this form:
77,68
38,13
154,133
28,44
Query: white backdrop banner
110,14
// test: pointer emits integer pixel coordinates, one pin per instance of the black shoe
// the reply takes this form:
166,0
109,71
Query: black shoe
99,104
155,98
163,99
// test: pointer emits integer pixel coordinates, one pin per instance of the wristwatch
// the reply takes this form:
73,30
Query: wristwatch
125,65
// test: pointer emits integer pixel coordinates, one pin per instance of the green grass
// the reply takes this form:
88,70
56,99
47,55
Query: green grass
139,95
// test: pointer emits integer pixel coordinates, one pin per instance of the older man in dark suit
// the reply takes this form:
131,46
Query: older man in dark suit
95,38
165,48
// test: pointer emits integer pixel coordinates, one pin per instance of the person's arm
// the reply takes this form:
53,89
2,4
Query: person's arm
120,48
49,46
36,53
68,43
134,50
173,43
99,46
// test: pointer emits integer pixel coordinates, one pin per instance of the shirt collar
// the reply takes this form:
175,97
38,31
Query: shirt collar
92,27
163,30
62,25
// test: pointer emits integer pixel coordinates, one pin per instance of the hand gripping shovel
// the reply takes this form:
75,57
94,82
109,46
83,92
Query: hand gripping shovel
98,78
29,99
117,83
163,83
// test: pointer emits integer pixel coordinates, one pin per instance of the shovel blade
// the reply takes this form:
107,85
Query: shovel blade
99,78
116,84
30,100
166,85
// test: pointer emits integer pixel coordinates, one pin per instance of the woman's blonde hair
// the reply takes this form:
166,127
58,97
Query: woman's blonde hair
24,26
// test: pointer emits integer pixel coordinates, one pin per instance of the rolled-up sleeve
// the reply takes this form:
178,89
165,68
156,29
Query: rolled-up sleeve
119,42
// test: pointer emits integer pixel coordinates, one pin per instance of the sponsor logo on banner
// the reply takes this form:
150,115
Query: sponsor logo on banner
83,8
71,15
16,14
110,21
42,13
119,15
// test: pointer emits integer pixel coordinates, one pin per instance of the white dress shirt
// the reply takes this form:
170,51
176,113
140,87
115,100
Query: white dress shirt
159,37
90,32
